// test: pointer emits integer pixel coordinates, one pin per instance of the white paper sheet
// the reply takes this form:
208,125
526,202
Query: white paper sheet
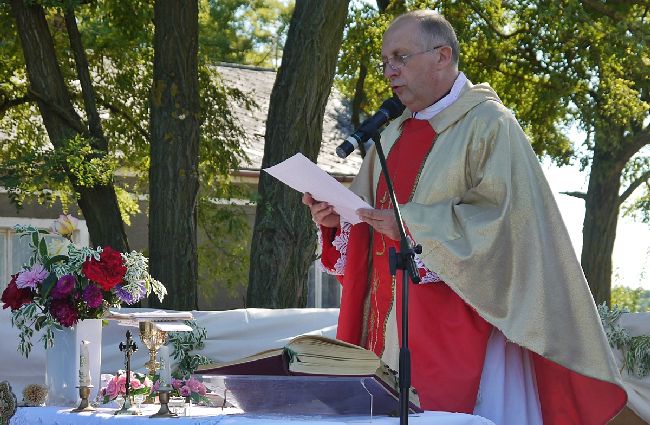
303,175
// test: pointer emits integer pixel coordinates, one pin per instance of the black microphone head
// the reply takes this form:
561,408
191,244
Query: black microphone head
393,106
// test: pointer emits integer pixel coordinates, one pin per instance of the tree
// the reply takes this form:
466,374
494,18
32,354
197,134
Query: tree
283,248
244,31
581,63
356,74
174,171
81,146
117,37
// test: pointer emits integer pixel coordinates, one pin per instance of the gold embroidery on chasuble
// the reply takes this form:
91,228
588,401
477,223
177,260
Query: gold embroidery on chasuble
382,285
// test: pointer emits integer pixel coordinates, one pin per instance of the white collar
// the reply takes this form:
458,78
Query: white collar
453,95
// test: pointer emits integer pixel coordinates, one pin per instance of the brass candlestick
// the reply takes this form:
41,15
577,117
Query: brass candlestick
153,338
163,397
84,393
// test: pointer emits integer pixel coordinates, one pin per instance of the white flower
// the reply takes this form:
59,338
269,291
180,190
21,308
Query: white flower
58,246
65,225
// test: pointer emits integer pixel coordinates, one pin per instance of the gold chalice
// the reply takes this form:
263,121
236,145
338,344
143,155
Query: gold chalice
153,338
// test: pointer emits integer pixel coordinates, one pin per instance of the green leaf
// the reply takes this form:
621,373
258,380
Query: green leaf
48,284
38,325
55,259
35,239
42,249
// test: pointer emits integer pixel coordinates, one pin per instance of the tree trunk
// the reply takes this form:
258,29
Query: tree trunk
359,94
173,173
599,228
283,236
98,204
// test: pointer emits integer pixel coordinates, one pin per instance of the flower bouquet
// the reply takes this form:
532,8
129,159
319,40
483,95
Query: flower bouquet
140,385
62,283
192,389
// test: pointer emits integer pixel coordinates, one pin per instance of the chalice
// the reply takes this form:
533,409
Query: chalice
153,338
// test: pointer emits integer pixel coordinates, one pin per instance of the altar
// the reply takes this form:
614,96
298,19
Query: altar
227,416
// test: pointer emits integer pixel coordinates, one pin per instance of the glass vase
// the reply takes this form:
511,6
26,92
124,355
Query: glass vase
62,362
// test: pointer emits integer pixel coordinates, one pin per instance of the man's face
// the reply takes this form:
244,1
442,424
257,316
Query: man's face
415,81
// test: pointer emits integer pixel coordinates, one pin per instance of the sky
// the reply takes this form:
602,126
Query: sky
631,258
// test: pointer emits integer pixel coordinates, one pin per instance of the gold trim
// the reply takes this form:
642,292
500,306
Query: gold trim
419,174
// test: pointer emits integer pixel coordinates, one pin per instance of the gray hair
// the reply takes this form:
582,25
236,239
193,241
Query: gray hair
435,28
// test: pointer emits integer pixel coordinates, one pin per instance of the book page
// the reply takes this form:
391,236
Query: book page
214,367
303,175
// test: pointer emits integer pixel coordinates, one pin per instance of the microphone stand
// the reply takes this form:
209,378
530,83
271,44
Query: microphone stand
403,260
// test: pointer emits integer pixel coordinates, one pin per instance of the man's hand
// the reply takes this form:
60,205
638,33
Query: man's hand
382,221
322,212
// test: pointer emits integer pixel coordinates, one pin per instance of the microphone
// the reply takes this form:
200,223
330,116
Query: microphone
390,109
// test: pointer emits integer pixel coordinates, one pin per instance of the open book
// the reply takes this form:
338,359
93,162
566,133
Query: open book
319,368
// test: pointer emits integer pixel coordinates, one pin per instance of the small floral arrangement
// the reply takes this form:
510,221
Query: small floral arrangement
34,395
191,388
139,383
62,283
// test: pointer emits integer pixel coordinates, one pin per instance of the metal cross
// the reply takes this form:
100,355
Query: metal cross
128,348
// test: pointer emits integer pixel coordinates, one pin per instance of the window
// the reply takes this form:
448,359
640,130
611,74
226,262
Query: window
323,290
14,250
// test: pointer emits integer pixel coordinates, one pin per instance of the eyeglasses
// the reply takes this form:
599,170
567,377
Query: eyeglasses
398,62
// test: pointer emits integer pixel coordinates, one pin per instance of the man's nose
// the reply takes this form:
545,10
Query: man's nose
390,70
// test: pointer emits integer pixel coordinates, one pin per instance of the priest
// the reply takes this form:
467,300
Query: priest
503,324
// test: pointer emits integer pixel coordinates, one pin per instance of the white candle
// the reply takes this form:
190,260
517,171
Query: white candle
84,364
165,366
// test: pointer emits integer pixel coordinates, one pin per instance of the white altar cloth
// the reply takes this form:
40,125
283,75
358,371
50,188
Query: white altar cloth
211,416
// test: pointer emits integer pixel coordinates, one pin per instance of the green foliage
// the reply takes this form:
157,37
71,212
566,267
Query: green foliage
183,344
224,254
118,42
244,31
117,36
362,45
635,349
627,298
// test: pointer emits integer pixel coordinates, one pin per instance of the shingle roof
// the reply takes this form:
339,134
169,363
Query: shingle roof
258,83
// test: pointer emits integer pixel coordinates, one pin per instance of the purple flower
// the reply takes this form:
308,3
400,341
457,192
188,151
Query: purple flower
31,278
64,313
127,297
92,296
156,385
177,383
63,287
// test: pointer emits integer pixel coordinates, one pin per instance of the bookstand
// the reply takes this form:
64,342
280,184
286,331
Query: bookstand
305,395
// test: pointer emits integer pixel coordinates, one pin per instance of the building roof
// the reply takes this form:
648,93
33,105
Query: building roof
257,83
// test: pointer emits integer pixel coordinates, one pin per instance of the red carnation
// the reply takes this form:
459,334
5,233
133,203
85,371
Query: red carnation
108,271
15,297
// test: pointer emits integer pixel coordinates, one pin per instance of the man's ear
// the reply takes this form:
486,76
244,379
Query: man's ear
445,56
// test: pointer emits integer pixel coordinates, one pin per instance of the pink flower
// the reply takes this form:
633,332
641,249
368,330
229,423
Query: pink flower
177,383
185,391
195,386
112,390
147,382
31,278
